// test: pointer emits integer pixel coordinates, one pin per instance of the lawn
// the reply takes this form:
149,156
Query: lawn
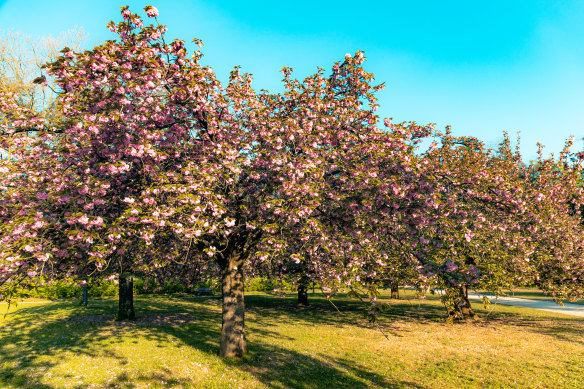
174,342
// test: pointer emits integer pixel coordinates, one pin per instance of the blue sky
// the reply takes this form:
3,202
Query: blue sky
481,66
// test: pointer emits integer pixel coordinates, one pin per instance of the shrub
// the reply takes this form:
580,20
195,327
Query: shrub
102,289
261,284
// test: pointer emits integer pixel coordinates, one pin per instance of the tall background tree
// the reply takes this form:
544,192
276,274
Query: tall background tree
21,59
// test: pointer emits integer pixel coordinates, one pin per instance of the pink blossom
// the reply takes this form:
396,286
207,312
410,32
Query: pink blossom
451,266
38,224
151,11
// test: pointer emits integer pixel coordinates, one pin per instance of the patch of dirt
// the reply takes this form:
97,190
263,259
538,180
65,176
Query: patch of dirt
91,319
145,320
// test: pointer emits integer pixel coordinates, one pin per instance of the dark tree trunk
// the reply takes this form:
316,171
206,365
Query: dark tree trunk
462,308
394,290
465,307
84,302
303,291
233,343
126,298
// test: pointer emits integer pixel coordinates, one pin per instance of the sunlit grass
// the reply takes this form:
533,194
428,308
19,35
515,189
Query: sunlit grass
174,342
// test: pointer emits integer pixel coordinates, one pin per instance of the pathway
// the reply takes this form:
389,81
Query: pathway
544,305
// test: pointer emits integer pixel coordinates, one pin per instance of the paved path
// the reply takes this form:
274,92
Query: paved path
544,305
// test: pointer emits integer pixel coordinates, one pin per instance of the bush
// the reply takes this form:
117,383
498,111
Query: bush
102,289
214,284
53,290
67,289
142,285
145,285
261,284
173,287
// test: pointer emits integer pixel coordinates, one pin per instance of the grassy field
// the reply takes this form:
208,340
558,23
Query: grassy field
174,342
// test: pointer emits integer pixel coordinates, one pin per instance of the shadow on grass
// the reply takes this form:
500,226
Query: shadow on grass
35,339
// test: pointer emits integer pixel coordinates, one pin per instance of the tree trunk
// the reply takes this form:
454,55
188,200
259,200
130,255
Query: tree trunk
126,298
462,308
84,303
394,290
303,291
465,307
233,344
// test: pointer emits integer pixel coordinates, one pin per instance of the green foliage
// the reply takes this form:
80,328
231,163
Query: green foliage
150,286
211,283
102,289
172,286
261,284
142,286
66,289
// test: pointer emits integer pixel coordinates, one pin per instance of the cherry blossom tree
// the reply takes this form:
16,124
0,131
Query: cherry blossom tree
497,220
555,225
156,162
475,232
70,206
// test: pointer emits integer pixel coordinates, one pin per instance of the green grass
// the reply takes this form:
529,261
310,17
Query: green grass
174,342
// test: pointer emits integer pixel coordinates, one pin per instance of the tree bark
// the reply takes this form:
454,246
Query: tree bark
465,307
394,290
84,302
303,291
126,298
462,308
233,343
